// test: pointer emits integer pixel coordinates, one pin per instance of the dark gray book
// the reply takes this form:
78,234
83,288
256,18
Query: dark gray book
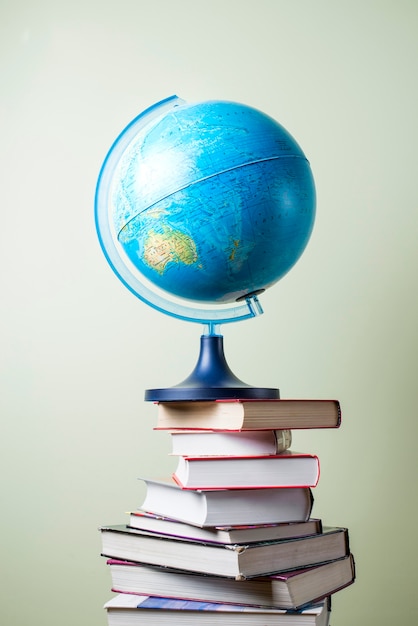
237,561
288,590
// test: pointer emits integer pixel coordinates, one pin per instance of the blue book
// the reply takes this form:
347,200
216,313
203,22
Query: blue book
127,608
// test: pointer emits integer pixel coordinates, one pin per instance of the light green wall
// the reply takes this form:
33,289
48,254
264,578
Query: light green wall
78,350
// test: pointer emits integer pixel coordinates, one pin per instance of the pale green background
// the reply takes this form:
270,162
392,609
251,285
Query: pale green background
78,350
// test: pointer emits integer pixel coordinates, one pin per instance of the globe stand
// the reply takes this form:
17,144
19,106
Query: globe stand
211,379
261,193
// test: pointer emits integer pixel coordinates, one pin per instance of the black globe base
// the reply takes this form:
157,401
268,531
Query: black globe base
211,379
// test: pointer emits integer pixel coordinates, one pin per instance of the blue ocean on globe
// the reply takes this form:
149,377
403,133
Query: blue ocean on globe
212,201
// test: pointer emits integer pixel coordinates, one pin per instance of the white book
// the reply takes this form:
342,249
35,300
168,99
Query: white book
223,507
240,443
288,469
248,533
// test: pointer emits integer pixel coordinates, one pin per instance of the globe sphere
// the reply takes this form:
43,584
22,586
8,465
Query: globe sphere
211,202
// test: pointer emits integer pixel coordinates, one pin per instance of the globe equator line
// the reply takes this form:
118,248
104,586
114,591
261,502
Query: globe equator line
196,182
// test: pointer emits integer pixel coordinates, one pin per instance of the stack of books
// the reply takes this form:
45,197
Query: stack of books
230,537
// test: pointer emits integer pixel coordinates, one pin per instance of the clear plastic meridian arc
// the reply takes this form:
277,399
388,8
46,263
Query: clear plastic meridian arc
115,256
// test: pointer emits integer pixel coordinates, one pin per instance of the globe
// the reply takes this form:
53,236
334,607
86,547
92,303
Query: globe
202,206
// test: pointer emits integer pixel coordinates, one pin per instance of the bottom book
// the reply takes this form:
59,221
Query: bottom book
129,610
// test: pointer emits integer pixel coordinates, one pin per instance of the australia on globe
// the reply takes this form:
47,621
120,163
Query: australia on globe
211,201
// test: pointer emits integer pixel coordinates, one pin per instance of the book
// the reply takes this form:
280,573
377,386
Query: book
222,534
223,507
239,561
130,610
288,469
234,443
289,590
232,415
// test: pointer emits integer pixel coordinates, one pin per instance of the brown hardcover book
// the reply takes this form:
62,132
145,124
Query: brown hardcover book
249,415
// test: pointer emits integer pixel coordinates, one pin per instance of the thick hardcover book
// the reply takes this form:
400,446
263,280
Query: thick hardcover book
127,609
289,469
236,443
289,590
249,414
239,561
149,522
224,507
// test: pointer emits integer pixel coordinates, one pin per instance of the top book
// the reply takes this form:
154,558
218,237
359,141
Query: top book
241,414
